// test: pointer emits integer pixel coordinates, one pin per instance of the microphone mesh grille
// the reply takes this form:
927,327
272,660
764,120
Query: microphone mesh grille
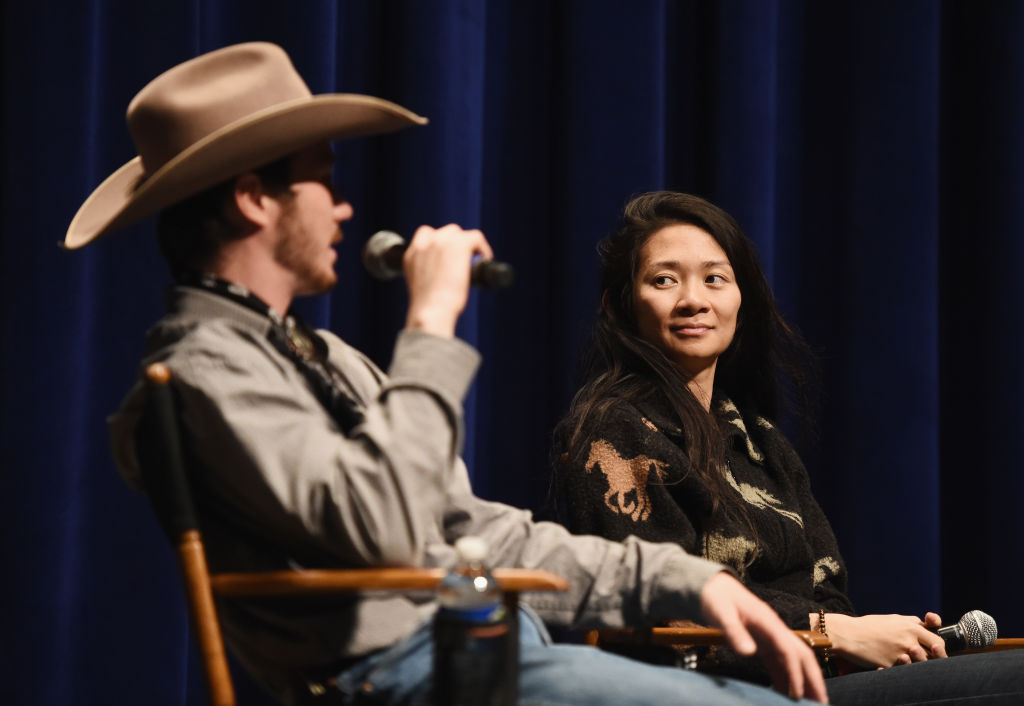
979,629
375,254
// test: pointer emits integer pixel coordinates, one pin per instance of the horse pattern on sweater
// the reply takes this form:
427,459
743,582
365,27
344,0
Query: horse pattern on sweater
626,477
635,479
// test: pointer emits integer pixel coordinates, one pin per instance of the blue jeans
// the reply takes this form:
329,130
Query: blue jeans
550,675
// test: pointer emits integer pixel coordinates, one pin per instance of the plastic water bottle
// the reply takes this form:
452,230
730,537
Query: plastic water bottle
476,648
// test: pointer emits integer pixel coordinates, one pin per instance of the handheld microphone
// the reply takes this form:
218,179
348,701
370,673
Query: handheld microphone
382,257
973,631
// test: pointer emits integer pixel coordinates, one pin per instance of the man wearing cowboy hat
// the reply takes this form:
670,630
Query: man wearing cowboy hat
309,454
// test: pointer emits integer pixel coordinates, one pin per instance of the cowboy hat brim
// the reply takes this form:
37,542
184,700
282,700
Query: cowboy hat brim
129,195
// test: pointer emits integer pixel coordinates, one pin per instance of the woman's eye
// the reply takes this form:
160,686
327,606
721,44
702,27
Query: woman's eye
714,279
663,281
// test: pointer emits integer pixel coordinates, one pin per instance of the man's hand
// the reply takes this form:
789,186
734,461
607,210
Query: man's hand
750,625
437,266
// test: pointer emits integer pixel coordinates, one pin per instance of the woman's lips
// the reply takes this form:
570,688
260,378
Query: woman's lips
694,330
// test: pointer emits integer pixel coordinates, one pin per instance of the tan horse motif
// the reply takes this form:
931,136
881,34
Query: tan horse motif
625,475
823,568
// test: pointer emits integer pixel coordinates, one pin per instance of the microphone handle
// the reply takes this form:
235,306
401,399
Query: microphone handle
491,274
484,274
953,637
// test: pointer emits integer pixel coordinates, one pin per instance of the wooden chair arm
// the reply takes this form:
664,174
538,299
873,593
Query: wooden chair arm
523,580
814,639
686,636
319,581
1003,643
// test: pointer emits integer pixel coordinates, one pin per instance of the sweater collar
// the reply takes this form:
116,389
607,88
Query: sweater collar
657,414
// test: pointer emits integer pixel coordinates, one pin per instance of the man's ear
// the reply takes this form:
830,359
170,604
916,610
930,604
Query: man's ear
248,208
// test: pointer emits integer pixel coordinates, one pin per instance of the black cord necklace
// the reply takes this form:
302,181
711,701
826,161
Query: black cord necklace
295,340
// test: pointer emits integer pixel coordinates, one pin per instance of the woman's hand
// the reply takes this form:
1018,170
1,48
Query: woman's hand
884,640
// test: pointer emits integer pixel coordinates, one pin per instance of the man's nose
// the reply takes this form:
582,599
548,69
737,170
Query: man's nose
343,211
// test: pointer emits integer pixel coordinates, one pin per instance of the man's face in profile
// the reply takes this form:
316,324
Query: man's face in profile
308,221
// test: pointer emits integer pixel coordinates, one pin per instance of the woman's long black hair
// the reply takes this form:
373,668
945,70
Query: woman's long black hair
620,366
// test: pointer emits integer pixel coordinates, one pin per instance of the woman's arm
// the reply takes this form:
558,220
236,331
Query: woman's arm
868,641
818,579
883,640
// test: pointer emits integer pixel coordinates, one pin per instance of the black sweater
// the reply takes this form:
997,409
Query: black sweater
633,476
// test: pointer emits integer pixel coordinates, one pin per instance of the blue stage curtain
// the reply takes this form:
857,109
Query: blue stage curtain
874,151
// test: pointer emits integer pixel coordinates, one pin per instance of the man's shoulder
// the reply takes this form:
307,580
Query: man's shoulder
202,330
202,343
213,354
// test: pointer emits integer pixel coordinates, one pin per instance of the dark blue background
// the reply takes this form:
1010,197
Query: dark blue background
872,149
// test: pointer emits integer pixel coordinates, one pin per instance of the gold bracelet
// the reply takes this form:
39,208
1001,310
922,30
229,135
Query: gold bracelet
826,653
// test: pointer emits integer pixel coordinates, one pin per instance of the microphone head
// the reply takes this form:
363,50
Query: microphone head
979,629
381,252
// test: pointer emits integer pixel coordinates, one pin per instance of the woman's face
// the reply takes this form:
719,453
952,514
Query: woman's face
686,299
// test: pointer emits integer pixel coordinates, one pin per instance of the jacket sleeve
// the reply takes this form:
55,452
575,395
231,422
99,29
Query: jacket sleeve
612,489
829,575
612,583
276,462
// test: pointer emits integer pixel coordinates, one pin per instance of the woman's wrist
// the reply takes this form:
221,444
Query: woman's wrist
837,631
834,624
826,653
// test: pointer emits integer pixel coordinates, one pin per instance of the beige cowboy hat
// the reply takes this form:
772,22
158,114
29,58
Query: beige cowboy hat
214,117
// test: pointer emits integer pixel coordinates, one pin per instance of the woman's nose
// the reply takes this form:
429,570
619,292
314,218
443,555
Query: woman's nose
692,296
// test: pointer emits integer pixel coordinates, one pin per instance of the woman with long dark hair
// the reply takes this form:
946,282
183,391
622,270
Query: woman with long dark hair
673,437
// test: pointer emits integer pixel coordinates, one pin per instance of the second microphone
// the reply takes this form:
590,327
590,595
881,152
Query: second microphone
382,257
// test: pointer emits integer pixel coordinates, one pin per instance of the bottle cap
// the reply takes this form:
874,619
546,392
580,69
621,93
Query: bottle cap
471,548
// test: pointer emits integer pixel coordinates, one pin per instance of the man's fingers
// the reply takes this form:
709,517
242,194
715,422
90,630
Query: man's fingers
816,689
738,636
795,672
793,668
808,677
751,626
483,248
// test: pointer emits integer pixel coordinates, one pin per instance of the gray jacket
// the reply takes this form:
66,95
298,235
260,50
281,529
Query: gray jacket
280,485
